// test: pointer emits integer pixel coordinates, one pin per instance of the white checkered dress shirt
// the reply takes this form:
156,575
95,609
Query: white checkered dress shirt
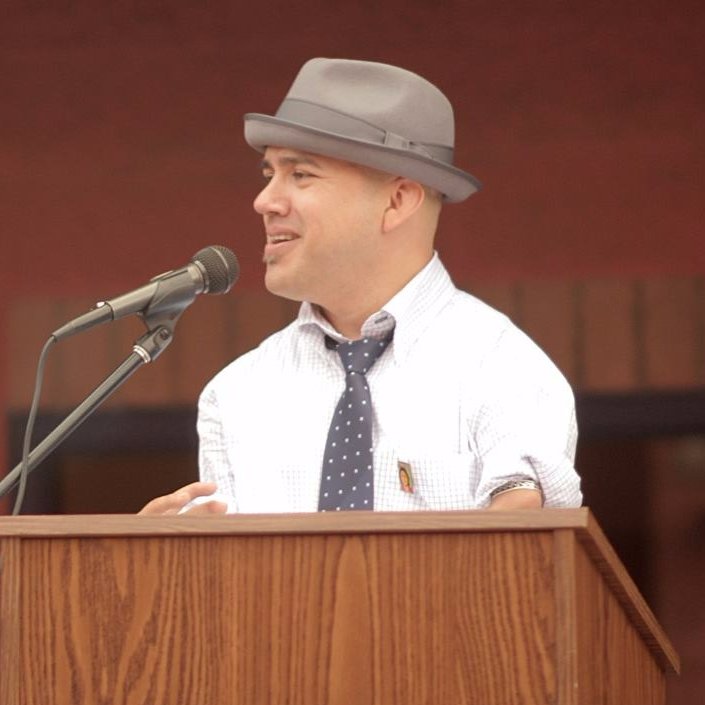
461,395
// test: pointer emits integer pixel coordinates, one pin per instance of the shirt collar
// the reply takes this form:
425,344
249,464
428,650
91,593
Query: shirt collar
410,311
416,306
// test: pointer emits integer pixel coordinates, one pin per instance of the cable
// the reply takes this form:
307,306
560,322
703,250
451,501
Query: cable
24,469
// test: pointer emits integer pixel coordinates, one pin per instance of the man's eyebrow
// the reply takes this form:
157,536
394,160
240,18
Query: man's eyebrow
290,161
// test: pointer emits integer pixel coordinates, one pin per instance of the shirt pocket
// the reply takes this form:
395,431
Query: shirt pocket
446,481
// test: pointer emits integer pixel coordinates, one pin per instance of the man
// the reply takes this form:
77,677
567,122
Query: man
392,390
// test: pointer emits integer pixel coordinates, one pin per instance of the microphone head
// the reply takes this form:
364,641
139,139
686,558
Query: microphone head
220,266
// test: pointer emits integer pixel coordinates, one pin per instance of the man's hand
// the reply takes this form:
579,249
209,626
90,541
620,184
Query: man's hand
517,499
173,503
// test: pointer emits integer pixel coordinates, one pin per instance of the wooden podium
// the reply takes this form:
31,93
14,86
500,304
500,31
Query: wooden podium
449,608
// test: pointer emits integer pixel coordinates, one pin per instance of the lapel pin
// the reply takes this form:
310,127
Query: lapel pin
406,481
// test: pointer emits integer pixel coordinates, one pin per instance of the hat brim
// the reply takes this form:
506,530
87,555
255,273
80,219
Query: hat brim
262,131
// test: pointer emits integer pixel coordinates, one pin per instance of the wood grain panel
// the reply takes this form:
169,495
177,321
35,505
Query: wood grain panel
9,620
82,361
568,681
609,335
628,675
301,619
504,296
414,629
205,341
673,333
622,587
201,346
254,315
352,653
506,629
29,323
550,319
136,647
153,383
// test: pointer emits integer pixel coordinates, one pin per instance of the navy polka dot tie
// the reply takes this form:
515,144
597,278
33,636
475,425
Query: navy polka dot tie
347,481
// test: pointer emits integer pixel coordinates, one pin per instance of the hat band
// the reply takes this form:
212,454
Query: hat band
320,118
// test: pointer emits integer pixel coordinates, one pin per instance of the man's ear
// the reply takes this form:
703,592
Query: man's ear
405,199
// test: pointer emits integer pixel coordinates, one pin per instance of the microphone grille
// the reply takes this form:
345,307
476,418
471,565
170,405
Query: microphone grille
221,267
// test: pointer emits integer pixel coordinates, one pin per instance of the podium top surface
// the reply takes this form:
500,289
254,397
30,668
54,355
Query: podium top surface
86,525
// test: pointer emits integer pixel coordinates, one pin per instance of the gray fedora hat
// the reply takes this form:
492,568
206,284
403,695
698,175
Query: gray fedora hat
371,114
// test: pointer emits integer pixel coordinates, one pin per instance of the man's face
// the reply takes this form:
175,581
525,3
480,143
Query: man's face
323,220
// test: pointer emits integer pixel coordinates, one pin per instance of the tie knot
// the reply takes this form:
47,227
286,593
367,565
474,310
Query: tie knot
359,355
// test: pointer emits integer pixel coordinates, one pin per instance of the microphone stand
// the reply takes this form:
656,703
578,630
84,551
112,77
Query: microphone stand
145,350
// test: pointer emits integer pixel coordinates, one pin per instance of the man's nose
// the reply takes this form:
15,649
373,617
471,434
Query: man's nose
271,200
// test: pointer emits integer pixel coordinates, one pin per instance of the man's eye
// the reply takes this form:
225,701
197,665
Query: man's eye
267,177
300,175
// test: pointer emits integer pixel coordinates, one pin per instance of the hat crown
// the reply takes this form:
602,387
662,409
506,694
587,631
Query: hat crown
387,97
375,115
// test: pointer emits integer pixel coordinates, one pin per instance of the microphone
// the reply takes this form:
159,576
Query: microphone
212,270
